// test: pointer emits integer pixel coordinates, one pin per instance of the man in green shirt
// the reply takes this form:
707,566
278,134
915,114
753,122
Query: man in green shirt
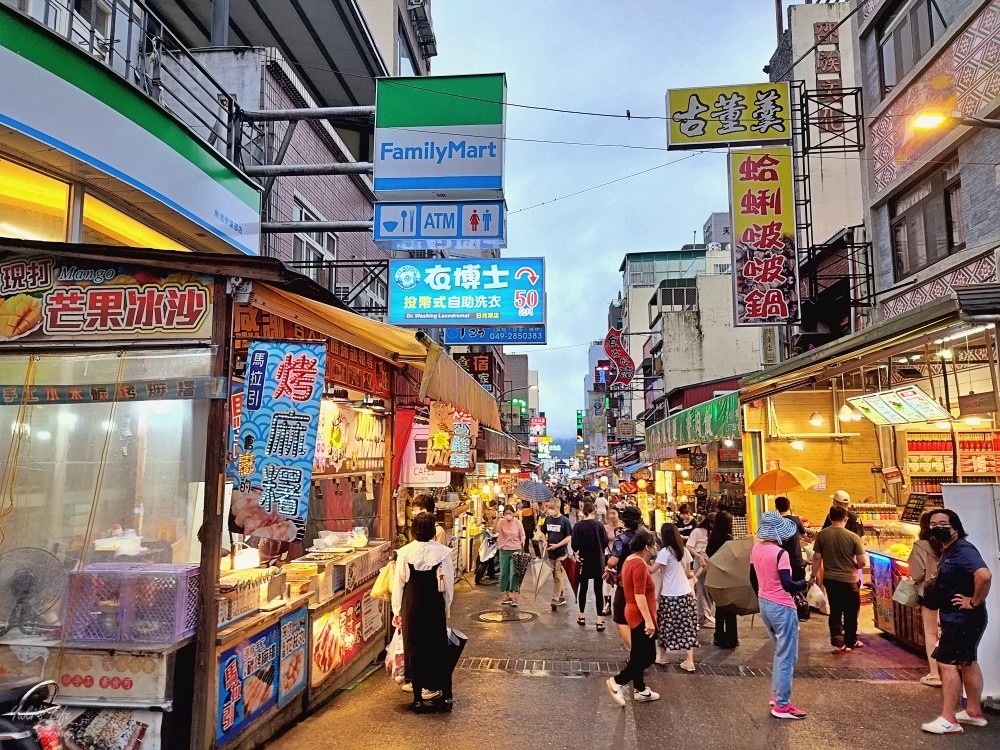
838,555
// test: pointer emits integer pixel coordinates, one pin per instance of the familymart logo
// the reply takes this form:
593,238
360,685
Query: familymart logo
431,151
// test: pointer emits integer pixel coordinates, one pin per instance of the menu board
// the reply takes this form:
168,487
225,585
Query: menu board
928,408
247,682
342,634
875,410
907,405
292,665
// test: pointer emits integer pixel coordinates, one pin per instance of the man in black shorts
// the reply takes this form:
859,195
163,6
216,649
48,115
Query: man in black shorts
959,594
631,518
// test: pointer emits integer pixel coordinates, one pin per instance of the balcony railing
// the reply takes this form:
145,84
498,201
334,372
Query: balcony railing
127,37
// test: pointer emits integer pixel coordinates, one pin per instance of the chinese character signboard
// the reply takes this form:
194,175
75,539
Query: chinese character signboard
728,115
622,365
765,261
277,439
451,439
439,137
475,225
293,664
483,367
579,425
45,298
537,425
248,682
415,472
458,291
339,636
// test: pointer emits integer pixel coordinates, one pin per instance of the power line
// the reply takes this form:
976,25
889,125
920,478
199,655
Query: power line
605,184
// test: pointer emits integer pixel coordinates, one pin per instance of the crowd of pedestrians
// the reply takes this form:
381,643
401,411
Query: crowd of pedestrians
653,587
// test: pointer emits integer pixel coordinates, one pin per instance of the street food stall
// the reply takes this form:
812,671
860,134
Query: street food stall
889,415
197,483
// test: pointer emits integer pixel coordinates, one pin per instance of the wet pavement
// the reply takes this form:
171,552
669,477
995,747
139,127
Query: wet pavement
539,682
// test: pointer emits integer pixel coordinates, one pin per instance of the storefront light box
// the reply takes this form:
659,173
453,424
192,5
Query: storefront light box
906,405
462,291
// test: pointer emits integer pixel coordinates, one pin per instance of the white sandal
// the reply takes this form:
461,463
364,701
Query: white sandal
930,680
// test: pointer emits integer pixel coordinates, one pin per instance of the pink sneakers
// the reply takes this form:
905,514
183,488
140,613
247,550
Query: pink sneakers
787,712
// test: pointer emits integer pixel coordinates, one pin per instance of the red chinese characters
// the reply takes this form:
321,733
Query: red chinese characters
765,261
126,309
296,377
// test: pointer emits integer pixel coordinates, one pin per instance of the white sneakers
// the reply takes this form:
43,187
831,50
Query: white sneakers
941,725
618,693
964,718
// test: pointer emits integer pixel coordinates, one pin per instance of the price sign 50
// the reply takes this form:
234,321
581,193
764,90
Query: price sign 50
524,298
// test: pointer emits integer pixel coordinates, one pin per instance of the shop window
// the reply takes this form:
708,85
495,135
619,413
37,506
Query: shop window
406,59
33,206
128,472
105,225
313,253
927,221
906,34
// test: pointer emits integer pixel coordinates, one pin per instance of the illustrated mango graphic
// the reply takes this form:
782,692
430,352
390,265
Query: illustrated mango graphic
19,315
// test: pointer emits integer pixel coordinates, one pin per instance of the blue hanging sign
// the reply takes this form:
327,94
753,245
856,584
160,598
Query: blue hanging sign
495,335
277,438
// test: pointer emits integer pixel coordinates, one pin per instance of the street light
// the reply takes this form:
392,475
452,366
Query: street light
933,119
520,388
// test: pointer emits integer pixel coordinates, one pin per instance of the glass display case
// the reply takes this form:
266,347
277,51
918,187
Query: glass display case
887,555
896,539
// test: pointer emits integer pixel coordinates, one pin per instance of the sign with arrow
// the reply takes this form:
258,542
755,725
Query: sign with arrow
466,225
467,292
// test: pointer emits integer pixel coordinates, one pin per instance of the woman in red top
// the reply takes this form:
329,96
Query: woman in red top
640,612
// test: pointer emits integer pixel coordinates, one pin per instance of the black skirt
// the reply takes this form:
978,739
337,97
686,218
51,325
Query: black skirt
425,636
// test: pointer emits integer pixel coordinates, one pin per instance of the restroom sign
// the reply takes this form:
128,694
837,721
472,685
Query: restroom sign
468,225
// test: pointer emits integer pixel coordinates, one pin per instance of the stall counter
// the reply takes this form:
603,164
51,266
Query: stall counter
888,561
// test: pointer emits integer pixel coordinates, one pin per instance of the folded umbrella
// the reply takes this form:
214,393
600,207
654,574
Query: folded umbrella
572,567
521,562
535,492
541,573
728,578
777,481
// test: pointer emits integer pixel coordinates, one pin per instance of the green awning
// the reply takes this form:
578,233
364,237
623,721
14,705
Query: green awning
713,420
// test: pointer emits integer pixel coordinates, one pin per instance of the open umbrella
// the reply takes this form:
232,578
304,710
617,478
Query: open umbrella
534,492
591,488
776,481
728,578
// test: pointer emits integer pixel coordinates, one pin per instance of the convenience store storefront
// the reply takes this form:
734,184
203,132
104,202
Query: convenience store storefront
888,415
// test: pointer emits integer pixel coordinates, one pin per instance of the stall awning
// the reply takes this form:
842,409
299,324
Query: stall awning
878,340
712,420
443,379
499,446
630,469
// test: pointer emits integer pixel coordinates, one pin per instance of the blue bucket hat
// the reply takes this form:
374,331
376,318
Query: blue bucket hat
775,528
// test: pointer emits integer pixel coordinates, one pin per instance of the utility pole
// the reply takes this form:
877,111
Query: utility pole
220,23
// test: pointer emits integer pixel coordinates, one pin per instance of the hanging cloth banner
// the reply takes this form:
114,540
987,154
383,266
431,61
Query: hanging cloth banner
277,439
712,420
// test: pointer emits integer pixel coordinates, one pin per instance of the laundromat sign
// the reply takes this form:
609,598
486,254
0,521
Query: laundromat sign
46,299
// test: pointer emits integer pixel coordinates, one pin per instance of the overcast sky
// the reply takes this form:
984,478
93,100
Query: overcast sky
599,56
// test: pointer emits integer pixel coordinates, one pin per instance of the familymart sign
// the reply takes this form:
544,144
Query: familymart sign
439,137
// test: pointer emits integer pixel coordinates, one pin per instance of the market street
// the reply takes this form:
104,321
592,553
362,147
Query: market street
540,683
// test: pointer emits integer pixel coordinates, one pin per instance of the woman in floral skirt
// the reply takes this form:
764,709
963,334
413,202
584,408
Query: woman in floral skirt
677,611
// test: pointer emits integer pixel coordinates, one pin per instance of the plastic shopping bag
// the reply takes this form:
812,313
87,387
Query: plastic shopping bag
394,659
817,599
906,593
382,589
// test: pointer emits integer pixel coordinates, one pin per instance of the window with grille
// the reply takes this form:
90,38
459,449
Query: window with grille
313,253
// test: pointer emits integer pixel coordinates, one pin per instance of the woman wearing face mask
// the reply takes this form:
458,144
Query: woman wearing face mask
923,562
510,539
959,594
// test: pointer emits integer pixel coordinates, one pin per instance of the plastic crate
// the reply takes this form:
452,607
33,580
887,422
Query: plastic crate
132,603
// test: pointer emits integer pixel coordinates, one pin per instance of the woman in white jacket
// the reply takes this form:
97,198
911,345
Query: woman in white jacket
421,599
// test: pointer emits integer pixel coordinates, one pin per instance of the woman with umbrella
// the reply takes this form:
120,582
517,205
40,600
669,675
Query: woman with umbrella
726,635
